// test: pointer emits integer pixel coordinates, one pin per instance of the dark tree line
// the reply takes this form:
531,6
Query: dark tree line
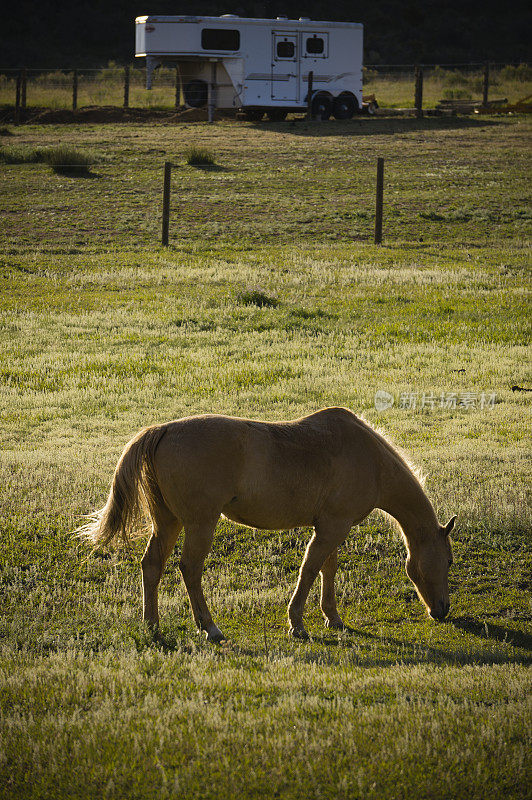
48,34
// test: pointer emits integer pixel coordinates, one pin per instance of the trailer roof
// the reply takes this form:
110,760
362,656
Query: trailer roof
233,19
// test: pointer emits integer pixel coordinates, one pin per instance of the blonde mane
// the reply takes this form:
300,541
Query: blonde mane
396,451
403,458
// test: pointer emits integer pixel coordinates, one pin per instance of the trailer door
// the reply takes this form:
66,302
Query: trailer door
285,67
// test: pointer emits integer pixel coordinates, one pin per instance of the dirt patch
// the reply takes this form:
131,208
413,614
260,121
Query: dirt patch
102,114
199,115
52,116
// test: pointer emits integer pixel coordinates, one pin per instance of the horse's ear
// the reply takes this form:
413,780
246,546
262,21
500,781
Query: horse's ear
450,525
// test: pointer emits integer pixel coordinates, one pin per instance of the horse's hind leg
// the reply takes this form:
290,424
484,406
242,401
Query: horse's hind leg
328,595
198,541
160,545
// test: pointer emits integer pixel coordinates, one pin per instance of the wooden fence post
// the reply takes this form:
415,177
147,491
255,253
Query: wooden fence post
23,80
126,86
177,87
166,202
17,99
418,95
378,203
74,90
211,93
486,85
309,94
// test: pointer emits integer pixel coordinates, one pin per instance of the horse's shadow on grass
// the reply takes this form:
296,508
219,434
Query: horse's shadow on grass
487,630
410,651
422,652
406,652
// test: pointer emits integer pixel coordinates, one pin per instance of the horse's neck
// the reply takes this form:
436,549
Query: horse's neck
404,499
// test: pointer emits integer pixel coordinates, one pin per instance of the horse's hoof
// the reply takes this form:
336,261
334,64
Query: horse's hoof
338,625
215,635
299,633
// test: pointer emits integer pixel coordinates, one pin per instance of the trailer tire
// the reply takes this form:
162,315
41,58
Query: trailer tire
196,93
276,114
322,106
344,106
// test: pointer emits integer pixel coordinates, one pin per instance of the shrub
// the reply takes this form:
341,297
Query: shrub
369,74
68,161
439,73
199,157
433,216
453,77
521,73
256,297
19,154
111,73
56,79
456,94
63,160
477,84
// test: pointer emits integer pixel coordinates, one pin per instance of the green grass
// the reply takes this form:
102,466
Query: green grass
270,302
319,185
199,157
66,160
394,87
95,88
256,297
21,155
62,160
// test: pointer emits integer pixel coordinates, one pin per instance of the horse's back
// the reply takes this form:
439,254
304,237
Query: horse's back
265,474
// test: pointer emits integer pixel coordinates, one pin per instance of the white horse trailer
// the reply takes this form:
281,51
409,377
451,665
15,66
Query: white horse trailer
258,65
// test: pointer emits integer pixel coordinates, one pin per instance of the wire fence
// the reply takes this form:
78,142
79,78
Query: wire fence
395,86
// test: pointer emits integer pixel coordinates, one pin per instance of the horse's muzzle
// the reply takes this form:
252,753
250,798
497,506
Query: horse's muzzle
440,611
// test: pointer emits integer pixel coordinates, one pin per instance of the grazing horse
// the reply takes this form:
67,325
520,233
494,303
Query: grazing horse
328,470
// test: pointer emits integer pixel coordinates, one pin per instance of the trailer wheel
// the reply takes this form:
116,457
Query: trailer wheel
276,114
321,106
196,93
344,106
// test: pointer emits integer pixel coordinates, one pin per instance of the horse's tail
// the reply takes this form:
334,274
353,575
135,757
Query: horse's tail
134,490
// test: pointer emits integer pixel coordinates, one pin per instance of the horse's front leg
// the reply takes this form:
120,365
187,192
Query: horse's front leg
328,535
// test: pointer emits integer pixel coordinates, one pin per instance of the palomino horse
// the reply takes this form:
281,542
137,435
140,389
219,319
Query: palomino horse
329,470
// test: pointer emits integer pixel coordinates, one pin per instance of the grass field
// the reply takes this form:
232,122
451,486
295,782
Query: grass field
271,301
393,87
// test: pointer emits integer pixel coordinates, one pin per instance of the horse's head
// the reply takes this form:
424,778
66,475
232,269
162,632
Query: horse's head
427,566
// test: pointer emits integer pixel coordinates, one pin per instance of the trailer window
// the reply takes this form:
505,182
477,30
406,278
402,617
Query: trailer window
315,45
285,49
220,39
